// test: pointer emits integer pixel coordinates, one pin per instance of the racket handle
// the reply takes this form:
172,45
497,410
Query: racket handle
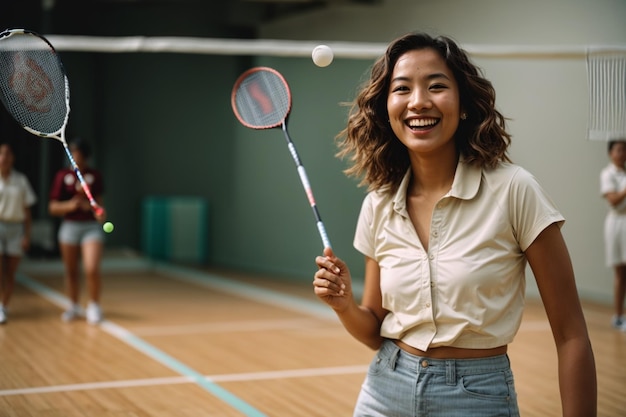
304,179
92,201
324,236
97,209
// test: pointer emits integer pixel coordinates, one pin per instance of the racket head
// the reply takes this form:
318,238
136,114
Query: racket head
261,98
33,85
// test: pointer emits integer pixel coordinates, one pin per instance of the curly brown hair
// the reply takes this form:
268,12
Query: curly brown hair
378,156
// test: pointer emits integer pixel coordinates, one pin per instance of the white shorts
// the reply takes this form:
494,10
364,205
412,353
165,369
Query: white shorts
11,235
615,239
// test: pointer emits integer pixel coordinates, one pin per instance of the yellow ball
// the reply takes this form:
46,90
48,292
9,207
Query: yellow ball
108,227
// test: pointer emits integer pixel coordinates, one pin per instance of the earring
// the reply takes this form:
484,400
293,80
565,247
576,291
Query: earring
463,116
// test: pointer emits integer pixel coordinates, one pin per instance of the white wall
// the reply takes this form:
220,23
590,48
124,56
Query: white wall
545,98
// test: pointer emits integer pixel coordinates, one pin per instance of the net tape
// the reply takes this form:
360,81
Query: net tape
293,48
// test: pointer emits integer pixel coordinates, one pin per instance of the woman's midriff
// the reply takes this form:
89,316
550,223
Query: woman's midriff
448,352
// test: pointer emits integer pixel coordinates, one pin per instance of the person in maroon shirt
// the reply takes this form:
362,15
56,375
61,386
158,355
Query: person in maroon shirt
80,232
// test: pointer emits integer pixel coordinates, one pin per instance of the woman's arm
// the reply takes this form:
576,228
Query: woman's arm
551,264
333,285
615,197
61,208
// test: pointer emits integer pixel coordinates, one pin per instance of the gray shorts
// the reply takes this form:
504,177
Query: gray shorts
11,235
615,239
78,232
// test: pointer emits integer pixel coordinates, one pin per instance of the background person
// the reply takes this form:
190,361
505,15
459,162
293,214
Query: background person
16,198
613,189
80,233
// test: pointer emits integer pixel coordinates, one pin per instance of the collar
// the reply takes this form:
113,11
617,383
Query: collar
615,168
8,177
464,186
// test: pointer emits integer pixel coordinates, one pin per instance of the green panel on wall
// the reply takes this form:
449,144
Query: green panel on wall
175,229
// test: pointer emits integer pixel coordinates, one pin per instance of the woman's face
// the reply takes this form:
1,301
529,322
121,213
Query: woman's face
6,158
423,102
78,156
618,154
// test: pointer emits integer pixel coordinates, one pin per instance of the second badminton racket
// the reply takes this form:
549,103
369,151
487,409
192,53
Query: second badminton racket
261,99
35,90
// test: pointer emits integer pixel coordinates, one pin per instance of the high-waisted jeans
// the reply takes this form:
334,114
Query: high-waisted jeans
399,384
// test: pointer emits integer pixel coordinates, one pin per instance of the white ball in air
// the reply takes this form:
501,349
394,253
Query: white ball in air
322,55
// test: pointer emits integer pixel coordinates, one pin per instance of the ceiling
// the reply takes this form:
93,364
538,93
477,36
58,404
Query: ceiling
244,16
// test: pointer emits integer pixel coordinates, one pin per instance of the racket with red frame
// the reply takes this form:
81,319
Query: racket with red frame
35,90
261,99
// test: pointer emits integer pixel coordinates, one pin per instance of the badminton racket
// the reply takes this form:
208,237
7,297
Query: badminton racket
261,99
35,90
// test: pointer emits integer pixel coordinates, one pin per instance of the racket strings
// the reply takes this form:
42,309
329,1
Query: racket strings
262,99
33,86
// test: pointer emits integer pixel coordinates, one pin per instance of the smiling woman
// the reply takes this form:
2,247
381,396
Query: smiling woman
423,103
426,138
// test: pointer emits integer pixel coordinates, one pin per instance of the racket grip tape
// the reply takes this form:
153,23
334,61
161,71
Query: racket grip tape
323,234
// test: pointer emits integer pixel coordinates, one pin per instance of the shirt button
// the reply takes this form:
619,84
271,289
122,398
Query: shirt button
428,305
424,363
431,256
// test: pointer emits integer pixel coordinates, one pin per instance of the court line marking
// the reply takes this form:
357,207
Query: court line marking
314,308
151,351
189,375
247,376
229,327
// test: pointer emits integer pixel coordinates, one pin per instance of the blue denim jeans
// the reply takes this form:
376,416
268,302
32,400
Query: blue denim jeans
399,384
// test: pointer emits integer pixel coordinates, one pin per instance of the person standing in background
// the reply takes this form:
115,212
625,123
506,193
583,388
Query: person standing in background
80,232
613,189
16,198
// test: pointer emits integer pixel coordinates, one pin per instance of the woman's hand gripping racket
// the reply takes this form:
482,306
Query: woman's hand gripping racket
261,99
35,91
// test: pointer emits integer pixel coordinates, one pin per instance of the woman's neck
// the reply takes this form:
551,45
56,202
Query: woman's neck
432,175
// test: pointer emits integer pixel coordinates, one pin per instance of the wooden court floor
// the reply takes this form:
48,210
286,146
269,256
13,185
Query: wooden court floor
183,342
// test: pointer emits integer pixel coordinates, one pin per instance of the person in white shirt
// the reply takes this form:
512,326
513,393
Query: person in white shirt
16,198
613,189
447,229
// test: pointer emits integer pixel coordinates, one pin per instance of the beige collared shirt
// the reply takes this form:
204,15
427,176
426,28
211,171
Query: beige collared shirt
16,194
613,180
468,289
